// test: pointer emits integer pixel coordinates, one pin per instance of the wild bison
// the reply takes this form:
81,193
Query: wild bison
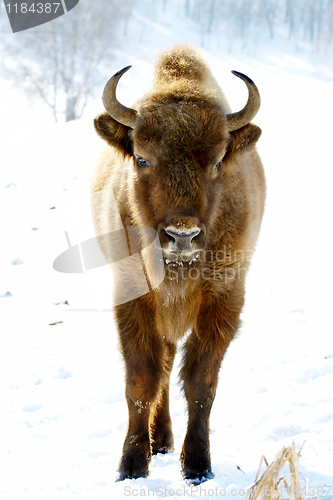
181,163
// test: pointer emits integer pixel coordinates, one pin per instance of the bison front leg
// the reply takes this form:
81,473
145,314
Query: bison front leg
203,352
143,354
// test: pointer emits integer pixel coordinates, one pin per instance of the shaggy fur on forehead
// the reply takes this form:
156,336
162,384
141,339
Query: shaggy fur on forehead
182,128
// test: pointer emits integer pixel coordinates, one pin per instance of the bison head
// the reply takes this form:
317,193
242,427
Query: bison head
177,143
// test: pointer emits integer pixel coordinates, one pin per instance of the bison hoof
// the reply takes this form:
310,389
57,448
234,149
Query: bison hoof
162,443
196,468
195,478
163,450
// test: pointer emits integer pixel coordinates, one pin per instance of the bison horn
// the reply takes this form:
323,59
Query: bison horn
116,110
243,117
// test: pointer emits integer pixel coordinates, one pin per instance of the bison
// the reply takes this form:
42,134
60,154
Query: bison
181,163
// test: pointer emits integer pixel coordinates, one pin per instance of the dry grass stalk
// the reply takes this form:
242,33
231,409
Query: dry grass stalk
267,487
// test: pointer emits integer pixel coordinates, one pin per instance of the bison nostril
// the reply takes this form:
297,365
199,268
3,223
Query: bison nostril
181,239
170,236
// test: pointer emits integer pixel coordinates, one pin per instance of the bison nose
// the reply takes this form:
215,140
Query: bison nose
181,240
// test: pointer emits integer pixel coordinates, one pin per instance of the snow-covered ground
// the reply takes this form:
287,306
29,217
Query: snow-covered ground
63,413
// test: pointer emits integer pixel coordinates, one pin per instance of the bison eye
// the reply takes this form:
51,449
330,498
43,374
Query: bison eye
141,162
216,170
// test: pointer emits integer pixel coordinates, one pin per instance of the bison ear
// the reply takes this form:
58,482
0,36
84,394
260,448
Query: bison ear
242,138
114,133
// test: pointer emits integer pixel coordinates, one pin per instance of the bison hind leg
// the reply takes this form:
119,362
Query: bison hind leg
161,436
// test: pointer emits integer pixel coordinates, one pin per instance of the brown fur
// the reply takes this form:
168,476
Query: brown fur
200,175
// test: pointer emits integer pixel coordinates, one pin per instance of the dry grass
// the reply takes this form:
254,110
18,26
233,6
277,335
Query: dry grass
271,484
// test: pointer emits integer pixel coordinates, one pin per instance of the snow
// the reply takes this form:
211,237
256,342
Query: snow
64,416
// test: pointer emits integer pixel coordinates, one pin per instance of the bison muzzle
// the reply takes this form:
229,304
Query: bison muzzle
181,163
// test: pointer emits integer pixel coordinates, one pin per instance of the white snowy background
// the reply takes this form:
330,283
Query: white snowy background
63,413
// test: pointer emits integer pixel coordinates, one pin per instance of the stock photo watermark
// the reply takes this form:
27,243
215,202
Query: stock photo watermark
183,491
29,14
203,490
138,262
